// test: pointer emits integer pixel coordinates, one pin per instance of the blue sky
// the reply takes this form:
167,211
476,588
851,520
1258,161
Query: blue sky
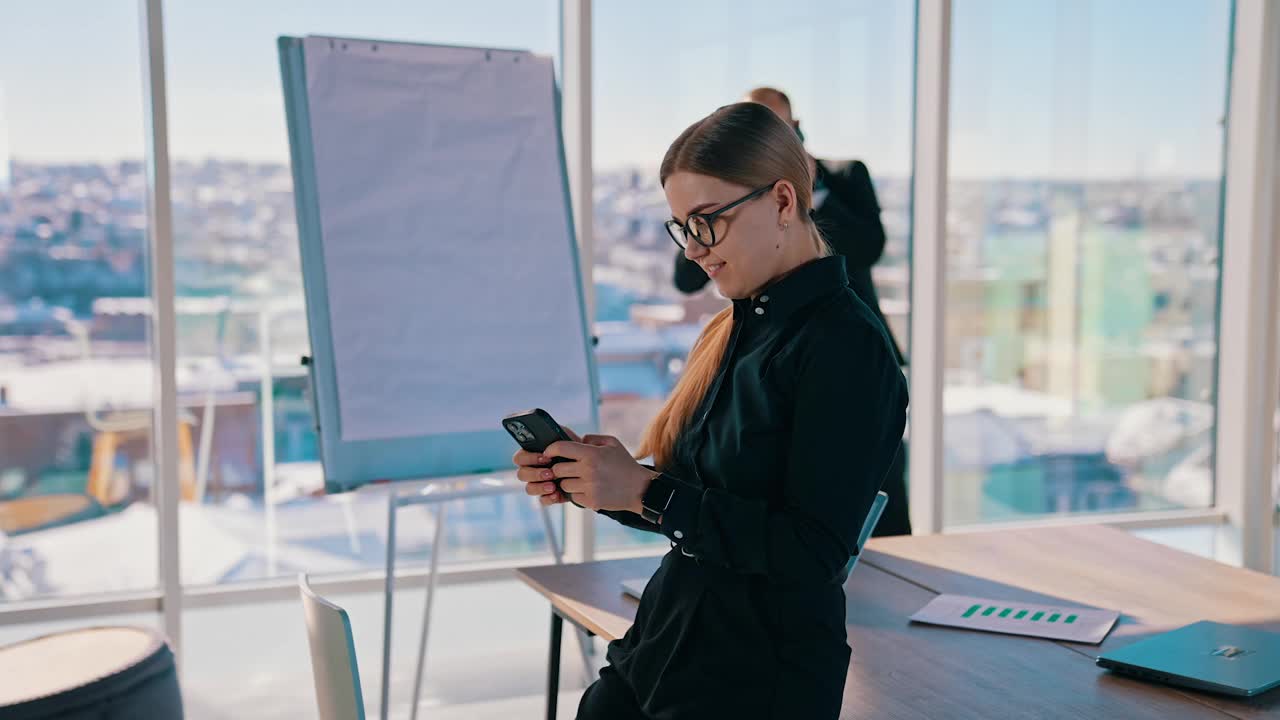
1066,88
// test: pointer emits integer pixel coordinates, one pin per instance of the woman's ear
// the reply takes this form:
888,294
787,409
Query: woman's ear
784,197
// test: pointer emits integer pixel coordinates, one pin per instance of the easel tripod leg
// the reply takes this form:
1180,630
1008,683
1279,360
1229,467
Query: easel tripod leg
426,612
389,592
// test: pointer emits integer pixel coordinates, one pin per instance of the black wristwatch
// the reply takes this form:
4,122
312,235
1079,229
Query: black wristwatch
655,500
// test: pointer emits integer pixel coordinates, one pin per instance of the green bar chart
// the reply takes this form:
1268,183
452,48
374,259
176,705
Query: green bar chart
1018,614
1075,624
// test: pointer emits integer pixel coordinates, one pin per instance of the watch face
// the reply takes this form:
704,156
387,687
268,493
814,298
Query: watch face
658,495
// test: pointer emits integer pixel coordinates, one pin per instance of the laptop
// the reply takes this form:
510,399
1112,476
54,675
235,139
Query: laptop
1210,656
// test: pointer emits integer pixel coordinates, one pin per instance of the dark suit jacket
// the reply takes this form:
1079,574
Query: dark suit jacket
849,219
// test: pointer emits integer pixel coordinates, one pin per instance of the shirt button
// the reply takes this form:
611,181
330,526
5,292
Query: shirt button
678,534
759,311
764,298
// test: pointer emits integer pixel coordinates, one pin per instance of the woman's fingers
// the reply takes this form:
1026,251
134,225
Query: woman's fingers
534,474
553,498
570,450
539,475
525,458
540,488
567,470
602,441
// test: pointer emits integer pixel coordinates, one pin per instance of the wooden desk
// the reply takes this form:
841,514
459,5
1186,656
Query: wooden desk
1156,588
901,670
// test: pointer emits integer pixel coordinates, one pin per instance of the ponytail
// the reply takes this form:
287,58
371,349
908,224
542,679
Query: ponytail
660,437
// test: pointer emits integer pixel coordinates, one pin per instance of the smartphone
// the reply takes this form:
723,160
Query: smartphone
534,430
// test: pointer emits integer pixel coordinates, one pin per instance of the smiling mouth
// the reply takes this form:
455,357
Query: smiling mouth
713,269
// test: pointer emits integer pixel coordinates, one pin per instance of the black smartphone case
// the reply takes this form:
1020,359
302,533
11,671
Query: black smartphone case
544,428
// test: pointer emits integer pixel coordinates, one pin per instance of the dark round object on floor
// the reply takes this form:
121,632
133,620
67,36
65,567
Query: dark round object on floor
99,673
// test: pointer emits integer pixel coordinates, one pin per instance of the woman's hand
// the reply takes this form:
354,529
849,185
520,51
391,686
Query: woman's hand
600,473
534,472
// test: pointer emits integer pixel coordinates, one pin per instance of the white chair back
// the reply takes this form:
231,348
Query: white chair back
333,657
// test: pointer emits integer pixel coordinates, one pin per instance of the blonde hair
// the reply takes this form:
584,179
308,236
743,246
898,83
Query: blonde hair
745,144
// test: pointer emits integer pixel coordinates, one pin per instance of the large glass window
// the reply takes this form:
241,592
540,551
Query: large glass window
256,506
847,68
76,369
1083,255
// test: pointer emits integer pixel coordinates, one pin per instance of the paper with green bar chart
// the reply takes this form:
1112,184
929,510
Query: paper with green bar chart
1045,621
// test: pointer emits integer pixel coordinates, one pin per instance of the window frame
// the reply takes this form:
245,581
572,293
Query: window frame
1249,381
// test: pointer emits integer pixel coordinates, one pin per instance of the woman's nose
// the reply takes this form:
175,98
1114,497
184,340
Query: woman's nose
695,250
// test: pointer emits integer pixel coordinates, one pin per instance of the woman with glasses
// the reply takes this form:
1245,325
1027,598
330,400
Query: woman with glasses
848,213
767,455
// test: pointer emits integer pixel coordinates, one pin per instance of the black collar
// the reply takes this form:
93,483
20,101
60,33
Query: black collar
779,300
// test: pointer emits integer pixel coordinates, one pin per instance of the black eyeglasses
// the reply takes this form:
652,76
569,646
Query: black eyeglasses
701,226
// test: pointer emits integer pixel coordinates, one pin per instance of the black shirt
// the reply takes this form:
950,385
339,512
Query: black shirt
777,471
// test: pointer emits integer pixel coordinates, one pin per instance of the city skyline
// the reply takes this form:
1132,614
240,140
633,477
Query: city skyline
1030,97
1015,306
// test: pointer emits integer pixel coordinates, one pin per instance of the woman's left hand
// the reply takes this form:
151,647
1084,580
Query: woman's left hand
600,473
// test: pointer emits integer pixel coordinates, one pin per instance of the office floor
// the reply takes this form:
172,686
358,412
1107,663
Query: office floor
487,658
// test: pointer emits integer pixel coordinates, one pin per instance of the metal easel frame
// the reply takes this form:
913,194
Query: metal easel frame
438,492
